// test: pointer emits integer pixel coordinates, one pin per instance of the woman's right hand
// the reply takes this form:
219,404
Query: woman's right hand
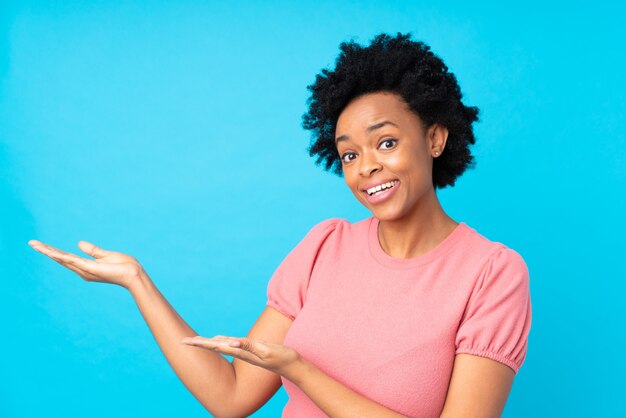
108,266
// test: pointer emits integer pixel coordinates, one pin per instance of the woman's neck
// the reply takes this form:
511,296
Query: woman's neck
417,233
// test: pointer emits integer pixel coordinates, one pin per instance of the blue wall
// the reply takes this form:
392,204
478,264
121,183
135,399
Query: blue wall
171,131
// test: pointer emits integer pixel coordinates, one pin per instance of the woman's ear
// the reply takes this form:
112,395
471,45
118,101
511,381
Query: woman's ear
438,135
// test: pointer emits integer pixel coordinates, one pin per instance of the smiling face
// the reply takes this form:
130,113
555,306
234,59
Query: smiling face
380,140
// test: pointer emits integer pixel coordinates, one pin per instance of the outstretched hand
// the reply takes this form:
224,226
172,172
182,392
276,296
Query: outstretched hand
108,266
278,358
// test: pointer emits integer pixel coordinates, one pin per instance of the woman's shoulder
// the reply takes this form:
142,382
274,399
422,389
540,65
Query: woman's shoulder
342,227
339,230
489,247
340,223
324,228
329,223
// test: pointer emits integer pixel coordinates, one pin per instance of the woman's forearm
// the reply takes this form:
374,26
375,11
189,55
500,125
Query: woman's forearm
208,376
332,397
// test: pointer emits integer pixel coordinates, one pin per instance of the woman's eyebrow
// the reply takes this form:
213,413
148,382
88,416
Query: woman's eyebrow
368,129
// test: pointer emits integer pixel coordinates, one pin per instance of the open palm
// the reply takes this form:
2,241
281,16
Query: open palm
107,267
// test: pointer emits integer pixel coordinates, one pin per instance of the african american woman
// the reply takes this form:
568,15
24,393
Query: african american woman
405,313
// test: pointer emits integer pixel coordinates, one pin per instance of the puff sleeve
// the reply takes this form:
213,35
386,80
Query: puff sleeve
497,318
287,288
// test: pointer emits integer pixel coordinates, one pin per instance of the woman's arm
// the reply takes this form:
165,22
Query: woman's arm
334,398
208,376
479,387
224,389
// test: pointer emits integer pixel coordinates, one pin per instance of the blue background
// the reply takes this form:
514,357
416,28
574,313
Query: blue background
171,131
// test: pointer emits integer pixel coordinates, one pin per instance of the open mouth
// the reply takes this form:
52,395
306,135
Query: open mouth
380,189
382,192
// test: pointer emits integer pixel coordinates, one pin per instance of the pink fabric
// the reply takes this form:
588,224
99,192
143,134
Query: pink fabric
389,328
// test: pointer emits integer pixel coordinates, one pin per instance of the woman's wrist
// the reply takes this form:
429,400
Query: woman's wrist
297,371
139,281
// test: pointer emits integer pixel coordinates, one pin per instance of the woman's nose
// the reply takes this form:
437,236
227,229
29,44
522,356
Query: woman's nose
369,164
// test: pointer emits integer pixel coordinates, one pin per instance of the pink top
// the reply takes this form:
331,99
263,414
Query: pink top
389,328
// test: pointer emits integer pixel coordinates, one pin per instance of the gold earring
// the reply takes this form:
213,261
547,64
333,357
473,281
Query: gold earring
436,152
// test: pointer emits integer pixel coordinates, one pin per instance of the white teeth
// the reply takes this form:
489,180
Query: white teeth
380,187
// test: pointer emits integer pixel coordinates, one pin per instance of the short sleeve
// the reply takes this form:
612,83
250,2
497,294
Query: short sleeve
497,319
286,289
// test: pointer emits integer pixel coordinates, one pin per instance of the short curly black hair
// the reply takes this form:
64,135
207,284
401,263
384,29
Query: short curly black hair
402,66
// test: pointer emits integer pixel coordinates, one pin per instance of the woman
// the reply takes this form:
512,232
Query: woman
405,313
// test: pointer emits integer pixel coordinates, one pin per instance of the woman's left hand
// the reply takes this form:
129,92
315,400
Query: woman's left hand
277,358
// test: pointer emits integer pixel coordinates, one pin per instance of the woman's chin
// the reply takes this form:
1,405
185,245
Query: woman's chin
386,214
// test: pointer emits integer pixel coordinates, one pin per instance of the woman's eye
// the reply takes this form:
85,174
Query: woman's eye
347,154
387,141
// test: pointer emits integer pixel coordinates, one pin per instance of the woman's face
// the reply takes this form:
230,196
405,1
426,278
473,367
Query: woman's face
380,140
